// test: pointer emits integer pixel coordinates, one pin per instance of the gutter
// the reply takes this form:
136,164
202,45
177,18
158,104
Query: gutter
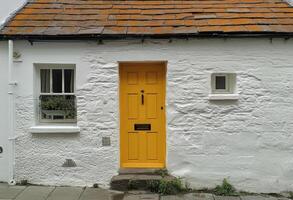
84,37
11,114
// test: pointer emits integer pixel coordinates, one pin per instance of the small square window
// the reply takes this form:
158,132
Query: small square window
223,83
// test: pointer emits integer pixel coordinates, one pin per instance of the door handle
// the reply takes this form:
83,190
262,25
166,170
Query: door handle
142,99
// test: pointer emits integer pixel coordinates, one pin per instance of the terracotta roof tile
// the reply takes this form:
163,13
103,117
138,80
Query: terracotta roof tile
138,17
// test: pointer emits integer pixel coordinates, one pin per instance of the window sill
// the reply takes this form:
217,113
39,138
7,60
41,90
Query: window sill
54,129
215,97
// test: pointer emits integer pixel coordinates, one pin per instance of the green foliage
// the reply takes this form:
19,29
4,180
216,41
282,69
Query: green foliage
133,185
167,187
162,172
60,103
226,189
291,195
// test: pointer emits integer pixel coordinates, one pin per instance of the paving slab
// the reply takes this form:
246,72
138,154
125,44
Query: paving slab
10,192
227,198
137,192
66,193
199,196
35,193
142,197
191,196
97,194
172,197
257,197
3,185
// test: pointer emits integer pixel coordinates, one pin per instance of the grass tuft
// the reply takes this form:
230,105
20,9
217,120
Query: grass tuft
226,189
167,186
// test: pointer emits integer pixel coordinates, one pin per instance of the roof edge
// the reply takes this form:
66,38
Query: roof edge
285,35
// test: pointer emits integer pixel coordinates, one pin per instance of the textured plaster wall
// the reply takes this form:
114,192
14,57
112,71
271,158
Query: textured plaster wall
249,141
4,143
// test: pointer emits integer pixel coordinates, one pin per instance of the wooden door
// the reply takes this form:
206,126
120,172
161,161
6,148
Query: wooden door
142,115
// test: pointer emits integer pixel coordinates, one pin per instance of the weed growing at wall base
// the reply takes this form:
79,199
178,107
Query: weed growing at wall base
167,186
226,189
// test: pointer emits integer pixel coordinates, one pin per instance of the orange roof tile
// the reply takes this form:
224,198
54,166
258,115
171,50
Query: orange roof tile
149,17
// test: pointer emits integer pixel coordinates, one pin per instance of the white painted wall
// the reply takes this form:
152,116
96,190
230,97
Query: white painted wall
248,141
4,143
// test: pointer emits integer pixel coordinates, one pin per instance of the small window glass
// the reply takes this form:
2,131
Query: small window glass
45,80
57,80
220,83
69,80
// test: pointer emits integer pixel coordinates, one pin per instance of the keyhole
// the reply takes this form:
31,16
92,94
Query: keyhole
142,91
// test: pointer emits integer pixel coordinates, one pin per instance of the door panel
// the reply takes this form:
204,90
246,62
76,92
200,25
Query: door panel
152,146
133,105
133,149
151,106
142,103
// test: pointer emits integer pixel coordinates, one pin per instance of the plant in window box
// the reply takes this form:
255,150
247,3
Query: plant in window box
56,107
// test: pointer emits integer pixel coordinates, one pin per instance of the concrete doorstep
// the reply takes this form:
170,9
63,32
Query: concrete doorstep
77,193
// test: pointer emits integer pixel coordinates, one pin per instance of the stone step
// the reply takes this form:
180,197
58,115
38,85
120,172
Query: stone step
124,182
152,171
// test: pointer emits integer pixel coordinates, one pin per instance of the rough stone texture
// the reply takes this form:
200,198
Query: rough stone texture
248,141
140,181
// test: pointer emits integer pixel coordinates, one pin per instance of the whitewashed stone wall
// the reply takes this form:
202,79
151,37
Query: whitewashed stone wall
249,141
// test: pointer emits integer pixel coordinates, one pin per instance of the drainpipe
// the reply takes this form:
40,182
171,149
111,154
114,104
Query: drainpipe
11,114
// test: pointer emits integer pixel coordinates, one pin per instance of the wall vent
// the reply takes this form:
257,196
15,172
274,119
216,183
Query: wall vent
106,141
69,163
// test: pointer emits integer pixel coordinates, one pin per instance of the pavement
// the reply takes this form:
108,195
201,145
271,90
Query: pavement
78,193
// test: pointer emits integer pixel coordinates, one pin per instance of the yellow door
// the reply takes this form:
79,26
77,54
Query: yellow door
142,115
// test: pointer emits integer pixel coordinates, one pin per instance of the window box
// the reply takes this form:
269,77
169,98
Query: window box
57,108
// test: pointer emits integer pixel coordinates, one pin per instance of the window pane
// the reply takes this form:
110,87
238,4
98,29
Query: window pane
57,80
220,82
61,107
69,80
45,80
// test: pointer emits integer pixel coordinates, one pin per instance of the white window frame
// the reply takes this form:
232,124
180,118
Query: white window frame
51,67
